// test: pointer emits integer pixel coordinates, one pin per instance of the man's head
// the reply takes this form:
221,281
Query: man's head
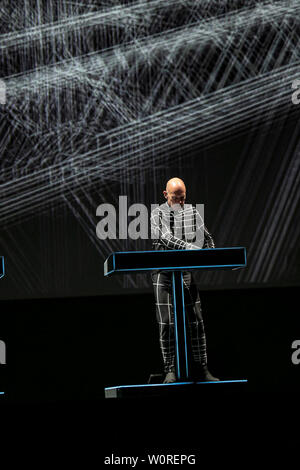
175,193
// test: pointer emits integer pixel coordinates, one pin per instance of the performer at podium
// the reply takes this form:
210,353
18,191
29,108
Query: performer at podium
174,226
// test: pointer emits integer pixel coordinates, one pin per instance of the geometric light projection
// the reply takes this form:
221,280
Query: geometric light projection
99,96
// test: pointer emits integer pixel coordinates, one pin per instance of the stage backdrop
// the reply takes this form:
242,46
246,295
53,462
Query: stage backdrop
106,99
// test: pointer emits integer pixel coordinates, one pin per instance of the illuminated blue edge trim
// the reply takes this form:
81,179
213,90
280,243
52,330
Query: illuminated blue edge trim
179,268
147,385
221,381
184,327
2,393
175,383
202,249
175,321
3,270
114,263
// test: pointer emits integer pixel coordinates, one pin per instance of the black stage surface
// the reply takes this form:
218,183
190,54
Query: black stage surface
72,348
234,429
62,353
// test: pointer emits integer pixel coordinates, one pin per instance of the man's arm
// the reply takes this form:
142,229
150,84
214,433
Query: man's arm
160,231
208,239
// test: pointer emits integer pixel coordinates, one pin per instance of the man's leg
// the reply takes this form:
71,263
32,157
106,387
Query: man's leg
196,328
162,285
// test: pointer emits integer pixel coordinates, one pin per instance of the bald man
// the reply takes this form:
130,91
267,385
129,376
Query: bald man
177,226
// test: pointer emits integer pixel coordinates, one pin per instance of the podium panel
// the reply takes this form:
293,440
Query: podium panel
171,260
174,261
2,270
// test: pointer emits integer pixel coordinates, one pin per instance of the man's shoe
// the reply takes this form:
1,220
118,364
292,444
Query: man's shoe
170,378
203,375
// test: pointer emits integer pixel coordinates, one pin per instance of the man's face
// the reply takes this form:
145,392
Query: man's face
175,198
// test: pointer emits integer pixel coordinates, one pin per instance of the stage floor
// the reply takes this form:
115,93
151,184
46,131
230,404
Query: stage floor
177,388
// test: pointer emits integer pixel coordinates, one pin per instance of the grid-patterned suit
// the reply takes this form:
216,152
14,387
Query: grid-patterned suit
178,230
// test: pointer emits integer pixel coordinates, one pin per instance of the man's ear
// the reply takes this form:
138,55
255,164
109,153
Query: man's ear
165,194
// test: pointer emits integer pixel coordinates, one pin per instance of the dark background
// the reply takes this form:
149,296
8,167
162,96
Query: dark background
62,353
103,106
70,349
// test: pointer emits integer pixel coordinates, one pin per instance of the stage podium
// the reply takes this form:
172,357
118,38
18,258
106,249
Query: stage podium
2,272
175,261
